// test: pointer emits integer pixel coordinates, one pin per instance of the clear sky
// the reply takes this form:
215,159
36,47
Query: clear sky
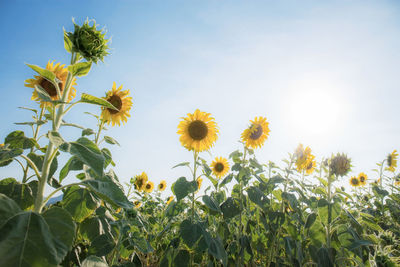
324,73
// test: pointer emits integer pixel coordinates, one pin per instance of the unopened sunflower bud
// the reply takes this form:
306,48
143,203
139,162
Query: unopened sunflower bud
340,165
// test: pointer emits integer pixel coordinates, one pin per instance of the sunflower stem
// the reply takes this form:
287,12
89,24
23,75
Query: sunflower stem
99,131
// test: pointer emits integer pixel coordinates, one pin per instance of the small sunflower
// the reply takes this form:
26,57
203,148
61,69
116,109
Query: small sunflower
257,133
121,101
169,199
392,161
199,182
304,159
137,204
362,177
149,187
220,166
162,185
354,181
61,73
140,181
198,131
310,165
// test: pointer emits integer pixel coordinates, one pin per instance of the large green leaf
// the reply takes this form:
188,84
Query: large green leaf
211,203
190,232
181,188
317,234
26,240
182,259
73,164
7,155
22,194
80,69
8,208
45,73
79,202
17,139
257,196
90,228
323,210
230,208
85,98
101,245
38,160
216,249
88,152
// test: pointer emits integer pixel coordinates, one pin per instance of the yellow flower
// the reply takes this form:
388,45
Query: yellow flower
61,73
198,131
354,181
397,180
120,100
162,185
199,182
140,181
169,199
149,187
310,164
257,133
1,145
392,161
304,159
362,177
220,166
137,204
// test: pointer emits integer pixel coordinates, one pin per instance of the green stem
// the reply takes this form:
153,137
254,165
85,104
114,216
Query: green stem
98,132
328,227
55,191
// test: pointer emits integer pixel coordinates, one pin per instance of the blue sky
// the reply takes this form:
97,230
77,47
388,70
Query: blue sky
324,73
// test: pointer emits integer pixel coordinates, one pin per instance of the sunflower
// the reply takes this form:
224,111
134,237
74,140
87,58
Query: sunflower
340,164
162,185
199,181
149,187
140,181
310,164
392,161
137,204
198,131
120,100
169,199
220,166
257,133
354,181
1,145
362,177
61,73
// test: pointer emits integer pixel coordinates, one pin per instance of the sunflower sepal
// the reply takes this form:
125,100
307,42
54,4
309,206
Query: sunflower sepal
86,98
80,69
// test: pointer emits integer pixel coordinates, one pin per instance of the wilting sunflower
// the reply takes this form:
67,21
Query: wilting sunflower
137,204
140,181
257,133
392,161
362,177
354,181
61,73
162,185
199,181
120,100
169,199
220,166
198,131
149,187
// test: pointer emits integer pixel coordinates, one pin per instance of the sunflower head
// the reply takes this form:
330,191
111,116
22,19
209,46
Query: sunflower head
199,181
391,161
89,42
340,165
362,177
310,165
148,188
169,199
61,73
397,180
256,134
304,159
220,167
162,185
198,131
354,181
120,100
140,181
137,204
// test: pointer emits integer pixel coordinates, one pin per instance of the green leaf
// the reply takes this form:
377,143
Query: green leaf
108,157
317,234
85,98
181,164
80,203
230,208
22,194
181,188
210,203
379,192
86,151
310,220
67,42
226,180
190,232
17,139
90,228
94,261
26,240
101,245
324,259
8,208
257,196
110,140
38,160
216,249
87,131
182,259
358,243
55,138
73,164
45,73
42,93
141,243
7,155
80,69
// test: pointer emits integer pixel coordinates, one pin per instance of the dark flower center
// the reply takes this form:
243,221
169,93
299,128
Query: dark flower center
390,160
354,181
198,130
148,186
362,178
50,88
219,167
256,134
161,186
116,102
309,166
139,182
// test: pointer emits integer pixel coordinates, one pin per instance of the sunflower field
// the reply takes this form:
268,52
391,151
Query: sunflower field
253,214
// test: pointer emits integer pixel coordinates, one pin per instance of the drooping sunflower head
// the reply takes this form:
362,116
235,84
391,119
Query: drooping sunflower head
354,181
120,100
169,199
198,131
61,73
391,161
220,167
340,165
199,182
148,188
362,177
140,181
256,134
162,185
137,204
